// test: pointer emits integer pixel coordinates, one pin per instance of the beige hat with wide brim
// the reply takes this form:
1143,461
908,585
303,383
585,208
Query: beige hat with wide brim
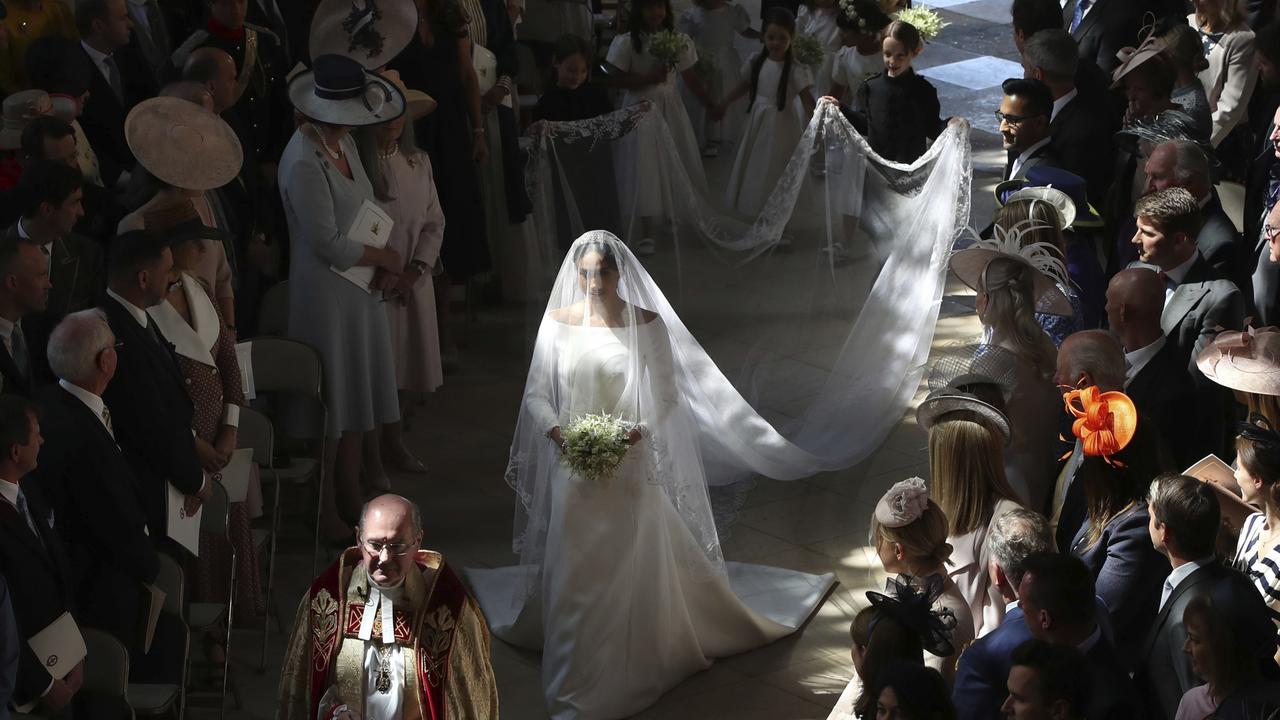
182,144
417,104
1247,361
19,110
968,265
371,32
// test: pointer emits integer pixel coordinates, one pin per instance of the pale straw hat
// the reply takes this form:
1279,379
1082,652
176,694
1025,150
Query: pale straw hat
182,144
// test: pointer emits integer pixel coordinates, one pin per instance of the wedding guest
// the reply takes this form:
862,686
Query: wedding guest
30,549
404,185
1182,163
1148,87
151,411
1025,219
25,22
911,692
8,649
205,351
56,65
1257,473
1087,358
573,96
967,431
1047,681
214,69
187,174
51,203
909,532
983,668
1155,377
49,138
24,289
1102,28
1120,454
1232,71
1010,290
1074,122
1024,126
121,79
1184,527
1232,650
93,491
1185,53
324,185
19,109
1057,596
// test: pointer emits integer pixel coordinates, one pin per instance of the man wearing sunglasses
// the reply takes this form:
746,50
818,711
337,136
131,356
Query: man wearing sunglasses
388,631
1024,127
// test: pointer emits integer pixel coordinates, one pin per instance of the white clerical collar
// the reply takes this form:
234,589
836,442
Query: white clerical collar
138,313
1062,102
91,401
1178,274
381,603
1138,359
9,491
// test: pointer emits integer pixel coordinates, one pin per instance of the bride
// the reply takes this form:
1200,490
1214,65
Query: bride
622,584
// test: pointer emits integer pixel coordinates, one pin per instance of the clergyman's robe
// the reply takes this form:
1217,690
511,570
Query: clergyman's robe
443,636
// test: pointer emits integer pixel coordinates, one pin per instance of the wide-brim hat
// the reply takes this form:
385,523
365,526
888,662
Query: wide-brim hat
965,393
1131,58
1068,183
1051,196
371,32
1248,361
182,144
340,91
178,222
416,103
19,110
969,264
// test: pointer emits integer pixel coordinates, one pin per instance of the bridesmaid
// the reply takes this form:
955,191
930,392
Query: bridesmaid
403,184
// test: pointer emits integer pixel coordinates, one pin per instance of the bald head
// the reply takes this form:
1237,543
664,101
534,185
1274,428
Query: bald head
390,505
1091,357
216,70
390,533
1135,300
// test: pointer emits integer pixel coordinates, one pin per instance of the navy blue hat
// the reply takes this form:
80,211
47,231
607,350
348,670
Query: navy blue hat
1072,185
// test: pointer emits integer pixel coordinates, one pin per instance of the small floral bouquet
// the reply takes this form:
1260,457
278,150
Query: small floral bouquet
707,67
851,11
923,18
806,49
594,445
667,47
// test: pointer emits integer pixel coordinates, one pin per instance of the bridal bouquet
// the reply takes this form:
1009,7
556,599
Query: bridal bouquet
667,47
923,18
806,49
594,445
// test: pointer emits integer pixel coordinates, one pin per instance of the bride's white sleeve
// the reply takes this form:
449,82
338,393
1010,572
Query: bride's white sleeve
662,375
539,395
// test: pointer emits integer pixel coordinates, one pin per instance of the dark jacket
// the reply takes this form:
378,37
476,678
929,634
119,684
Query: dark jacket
983,669
103,115
586,101
1108,26
902,115
1043,156
1111,693
1163,391
151,415
1202,304
1082,140
1220,245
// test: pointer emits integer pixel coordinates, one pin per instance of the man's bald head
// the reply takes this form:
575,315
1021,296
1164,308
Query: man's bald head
392,505
1091,357
1135,300
390,533
216,70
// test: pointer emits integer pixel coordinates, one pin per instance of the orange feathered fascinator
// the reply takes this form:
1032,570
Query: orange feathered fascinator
1105,421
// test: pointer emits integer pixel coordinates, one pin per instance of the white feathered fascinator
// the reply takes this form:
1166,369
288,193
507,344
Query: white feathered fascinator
1051,271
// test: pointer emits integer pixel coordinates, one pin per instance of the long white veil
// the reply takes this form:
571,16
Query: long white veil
825,350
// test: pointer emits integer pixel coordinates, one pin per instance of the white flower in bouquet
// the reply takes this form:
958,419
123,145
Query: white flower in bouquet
707,67
667,47
851,12
594,445
807,50
923,18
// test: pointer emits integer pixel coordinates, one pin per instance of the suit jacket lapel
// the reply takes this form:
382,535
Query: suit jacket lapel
1090,19
1184,300
68,270
1187,583
17,526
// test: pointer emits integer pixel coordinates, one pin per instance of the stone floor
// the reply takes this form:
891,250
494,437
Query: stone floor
817,525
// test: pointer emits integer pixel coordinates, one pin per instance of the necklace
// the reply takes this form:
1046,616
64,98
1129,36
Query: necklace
382,678
335,154
395,150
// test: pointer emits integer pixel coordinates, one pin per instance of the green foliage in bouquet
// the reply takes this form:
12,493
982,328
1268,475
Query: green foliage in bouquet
707,68
667,47
594,445
923,18
806,50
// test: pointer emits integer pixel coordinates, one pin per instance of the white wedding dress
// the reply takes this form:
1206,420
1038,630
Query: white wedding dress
629,603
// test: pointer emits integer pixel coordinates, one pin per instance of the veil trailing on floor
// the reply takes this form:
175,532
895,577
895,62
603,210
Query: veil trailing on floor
823,306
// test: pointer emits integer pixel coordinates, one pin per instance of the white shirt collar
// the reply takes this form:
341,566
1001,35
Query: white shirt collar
1061,103
97,57
1010,606
1180,573
6,330
91,401
9,491
1138,359
138,313
1026,154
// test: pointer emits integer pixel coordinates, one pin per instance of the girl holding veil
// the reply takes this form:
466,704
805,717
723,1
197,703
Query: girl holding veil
622,584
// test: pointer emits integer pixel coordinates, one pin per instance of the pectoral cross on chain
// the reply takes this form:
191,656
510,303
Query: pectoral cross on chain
382,678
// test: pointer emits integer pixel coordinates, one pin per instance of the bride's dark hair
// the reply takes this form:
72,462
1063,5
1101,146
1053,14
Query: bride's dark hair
606,253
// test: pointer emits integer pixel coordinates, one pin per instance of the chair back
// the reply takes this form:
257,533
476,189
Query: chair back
170,579
106,667
281,365
216,513
256,434
273,314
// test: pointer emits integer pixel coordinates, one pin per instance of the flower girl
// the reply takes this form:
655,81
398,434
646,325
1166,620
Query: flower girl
861,24
774,81
900,107
645,77
818,18
713,25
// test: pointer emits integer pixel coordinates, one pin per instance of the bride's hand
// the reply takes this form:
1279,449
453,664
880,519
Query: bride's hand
554,434
634,436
